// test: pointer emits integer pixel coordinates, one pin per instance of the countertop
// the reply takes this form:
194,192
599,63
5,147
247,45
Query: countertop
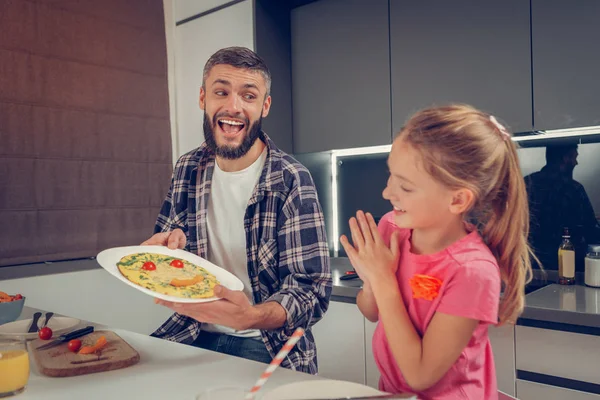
166,370
575,305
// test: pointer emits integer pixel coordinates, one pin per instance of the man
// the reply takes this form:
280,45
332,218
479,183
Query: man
248,207
556,201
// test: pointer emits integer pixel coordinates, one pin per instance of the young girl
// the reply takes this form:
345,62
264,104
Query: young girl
433,269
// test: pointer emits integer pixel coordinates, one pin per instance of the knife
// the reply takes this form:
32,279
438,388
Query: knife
67,337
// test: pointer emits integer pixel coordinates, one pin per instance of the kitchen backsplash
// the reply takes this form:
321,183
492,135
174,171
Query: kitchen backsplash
362,178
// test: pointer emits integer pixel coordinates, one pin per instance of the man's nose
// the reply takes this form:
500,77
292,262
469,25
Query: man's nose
233,104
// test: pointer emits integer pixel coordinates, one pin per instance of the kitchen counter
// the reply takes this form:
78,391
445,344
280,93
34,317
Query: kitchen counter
576,305
166,370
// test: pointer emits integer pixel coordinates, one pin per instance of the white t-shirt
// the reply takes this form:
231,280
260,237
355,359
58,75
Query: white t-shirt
229,196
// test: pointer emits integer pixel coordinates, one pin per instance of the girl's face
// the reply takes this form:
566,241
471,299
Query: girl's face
419,201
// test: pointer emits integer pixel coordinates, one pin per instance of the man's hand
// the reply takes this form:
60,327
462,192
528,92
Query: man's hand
233,310
174,239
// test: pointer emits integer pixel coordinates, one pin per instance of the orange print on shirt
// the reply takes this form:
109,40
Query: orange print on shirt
425,287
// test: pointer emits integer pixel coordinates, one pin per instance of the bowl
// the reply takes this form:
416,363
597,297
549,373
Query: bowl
11,310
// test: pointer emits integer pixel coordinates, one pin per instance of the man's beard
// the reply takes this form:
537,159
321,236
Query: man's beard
253,132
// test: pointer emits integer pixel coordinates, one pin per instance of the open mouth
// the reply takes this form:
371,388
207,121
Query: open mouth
398,210
231,126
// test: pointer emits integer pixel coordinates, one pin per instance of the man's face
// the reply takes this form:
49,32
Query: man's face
570,160
234,102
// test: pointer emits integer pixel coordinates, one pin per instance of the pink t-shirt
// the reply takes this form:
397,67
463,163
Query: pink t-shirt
470,288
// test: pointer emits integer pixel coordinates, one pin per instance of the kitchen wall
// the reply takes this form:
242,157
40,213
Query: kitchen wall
191,38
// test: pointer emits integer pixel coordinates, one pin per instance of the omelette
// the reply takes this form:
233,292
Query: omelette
168,275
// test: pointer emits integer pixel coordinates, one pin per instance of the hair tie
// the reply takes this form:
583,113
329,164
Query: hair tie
501,128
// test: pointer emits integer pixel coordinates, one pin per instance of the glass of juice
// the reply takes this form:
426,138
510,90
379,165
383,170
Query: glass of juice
14,366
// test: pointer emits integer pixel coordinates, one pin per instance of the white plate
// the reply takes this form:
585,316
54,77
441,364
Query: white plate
320,389
19,329
109,258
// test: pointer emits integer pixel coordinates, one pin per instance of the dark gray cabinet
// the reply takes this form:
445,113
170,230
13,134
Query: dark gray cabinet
468,51
272,42
340,75
566,59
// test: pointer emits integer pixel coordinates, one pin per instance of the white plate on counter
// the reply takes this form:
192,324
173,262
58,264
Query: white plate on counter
321,389
109,258
19,329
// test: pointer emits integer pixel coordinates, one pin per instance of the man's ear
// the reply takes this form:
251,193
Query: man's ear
266,107
202,99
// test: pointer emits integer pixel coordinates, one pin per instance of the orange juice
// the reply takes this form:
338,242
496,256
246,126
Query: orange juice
14,370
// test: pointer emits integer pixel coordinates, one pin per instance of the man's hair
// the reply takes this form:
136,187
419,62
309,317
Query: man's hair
238,57
555,154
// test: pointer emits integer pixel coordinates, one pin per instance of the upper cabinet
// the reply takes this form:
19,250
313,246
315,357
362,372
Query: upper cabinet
464,51
189,8
340,75
566,81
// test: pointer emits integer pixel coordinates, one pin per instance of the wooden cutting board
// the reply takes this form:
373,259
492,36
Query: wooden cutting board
58,361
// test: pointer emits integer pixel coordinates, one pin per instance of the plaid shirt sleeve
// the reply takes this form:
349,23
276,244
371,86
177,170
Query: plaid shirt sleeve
303,263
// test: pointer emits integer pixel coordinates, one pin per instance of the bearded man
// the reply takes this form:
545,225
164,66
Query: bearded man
252,209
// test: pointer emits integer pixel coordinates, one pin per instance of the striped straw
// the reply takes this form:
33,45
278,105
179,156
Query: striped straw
289,345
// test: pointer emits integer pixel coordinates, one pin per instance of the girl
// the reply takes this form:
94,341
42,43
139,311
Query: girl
431,278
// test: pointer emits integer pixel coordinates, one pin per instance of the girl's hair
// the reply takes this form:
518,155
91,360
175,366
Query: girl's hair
462,147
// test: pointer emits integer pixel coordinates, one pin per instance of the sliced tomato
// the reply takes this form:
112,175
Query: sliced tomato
176,264
149,266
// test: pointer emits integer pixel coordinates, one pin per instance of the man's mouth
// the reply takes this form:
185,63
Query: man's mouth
231,126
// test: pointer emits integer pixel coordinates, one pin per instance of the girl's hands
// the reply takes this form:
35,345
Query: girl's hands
369,255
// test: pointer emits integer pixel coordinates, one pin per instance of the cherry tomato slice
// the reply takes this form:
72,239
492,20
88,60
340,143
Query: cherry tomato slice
74,345
176,264
149,266
45,333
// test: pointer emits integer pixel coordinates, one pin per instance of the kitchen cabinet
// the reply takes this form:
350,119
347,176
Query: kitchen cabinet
340,340
463,51
566,84
340,75
502,339
536,391
189,8
558,353
372,372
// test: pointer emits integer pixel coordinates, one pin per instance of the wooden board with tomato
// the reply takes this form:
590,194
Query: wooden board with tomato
97,352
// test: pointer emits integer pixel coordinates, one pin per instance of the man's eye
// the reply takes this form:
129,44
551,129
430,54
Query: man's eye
220,93
249,96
